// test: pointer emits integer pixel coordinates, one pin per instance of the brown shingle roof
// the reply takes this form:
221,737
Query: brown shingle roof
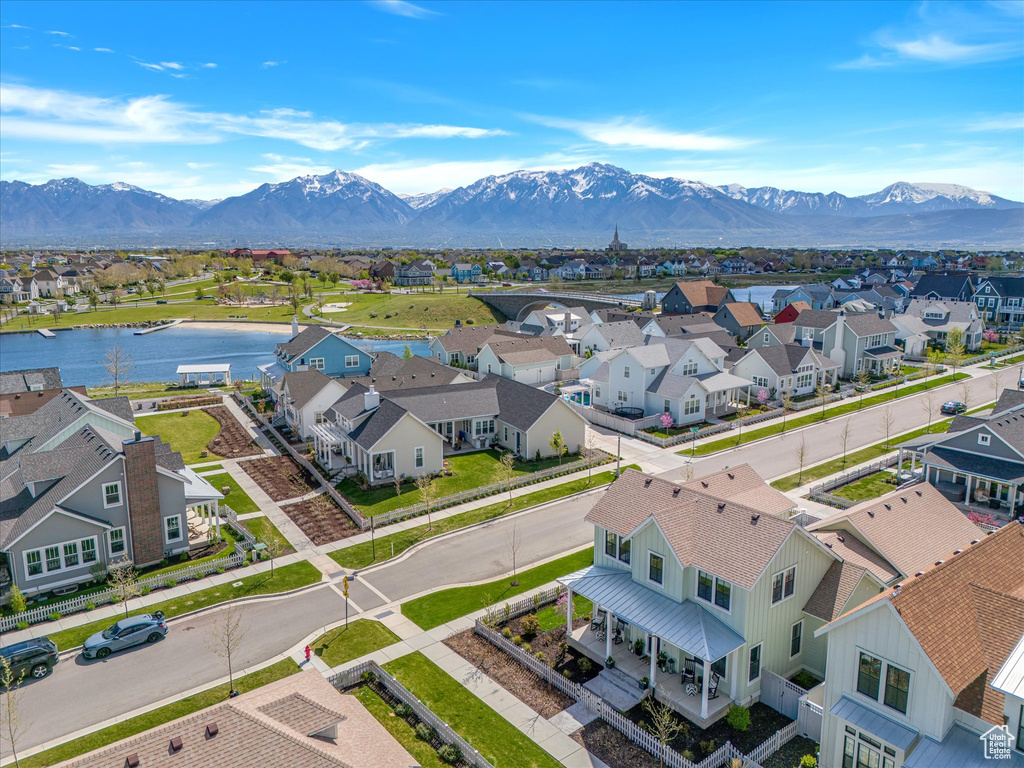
830,596
529,349
856,552
727,539
702,292
742,485
745,313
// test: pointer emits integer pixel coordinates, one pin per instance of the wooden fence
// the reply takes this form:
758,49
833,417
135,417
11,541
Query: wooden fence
354,675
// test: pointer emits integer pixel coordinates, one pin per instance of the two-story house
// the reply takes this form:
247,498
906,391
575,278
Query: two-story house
910,674
689,296
305,398
14,289
460,346
419,272
1001,301
526,359
315,348
601,337
857,341
464,272
952,286
741,318
780,368
929,321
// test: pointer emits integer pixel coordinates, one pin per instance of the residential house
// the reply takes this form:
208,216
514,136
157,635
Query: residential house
393,372
769,335
463,272
384,269
910,674
305,398
681,325
460,345
301,720
928,322
26,391
531,271
742,485
14,289
527,359
601,337
1001,301
955,286
79,485
314,348
857,341
553,319
52,284
741,319
420,272
980,459
614,314
790,311
780,368
687,297
817,296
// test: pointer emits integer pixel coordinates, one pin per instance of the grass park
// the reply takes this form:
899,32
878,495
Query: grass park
188,432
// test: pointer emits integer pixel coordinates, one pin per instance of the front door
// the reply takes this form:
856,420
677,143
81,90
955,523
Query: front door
518,434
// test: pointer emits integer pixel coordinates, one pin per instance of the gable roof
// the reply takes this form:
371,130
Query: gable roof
742,485
29,379
785,359
618,334
702,292
943,286
744,313
868,323
305,341
469,340
529,349
390,371
815,318
834,590
303,386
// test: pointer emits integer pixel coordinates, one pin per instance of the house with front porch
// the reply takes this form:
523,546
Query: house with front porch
464,272
929,321
419,272
979,461
915,677
1001,301
305,398
315,348
715,587
460,346
857,341
781,368
741,318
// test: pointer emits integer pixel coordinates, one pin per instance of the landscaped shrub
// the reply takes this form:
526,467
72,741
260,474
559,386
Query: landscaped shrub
55,616
738,718
144,591
164,563
566,674
18,603
506,633
369,678
527,648
219,569
539,655
708,746
115,599
22,625
183,558
585,665
530,624
425,732
90,606
170,583
518,640
450,754
688,755
808,761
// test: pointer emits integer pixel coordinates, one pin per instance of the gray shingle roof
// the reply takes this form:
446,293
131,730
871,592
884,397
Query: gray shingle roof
620,334
303,386
12,382
868,323
469,340
299,345
529,349
120,406
815,318
390,372
442,403
668,384
370,431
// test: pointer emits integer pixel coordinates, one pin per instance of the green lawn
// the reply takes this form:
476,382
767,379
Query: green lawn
815,416
444,605
399,729
494,737
237,499
471,470
264,530
285,578
436,311
869,487
209,468
141,388
164,714
361,555
186,431
346,643
551,617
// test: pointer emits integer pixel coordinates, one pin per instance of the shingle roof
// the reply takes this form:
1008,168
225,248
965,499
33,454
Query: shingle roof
120,406
620,334
520,405
744,313
1006,286
389,372
815,318
305,341
742,485
378,423
303,386
830,596
529,349
722,537
944,286
868,323
1010,399
24,380
702,292
442,403
469,340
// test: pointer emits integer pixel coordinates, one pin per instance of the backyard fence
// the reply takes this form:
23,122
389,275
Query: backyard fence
602,708
354,675
821,493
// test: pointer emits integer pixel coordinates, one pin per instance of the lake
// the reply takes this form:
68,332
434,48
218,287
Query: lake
156,356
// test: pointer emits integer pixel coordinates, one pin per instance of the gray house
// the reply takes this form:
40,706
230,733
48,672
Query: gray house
79,485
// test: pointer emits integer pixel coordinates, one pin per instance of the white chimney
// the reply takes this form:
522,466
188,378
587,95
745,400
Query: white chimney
295,326
838,353
371,399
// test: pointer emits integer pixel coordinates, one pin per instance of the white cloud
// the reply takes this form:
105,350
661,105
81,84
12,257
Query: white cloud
16,26
171,65
208,65
58,33
197,166
103,50
936,48
72,169
1007,122
148,65
403,8
281,168
72,47
632,132
269,64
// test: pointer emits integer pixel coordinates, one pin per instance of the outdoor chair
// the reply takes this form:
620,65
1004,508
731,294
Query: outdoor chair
617,635
713,687
598,620
689,673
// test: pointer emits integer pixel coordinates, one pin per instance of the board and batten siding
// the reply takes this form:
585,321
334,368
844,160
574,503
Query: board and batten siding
404,438
881,633
561,417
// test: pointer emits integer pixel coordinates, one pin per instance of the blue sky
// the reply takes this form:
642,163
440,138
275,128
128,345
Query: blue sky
212,99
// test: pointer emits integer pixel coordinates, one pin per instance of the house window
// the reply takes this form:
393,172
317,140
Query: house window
723,594
705,586
783,585
622,396
316,363
116,541
984,439
506,434
624,547
172,528
869,675
689,368
351,361
625,372
754,667
765,337
656,568
1020,730
418,458
691,406
597,391
485,427
611,544
88,551
111,494
897,686
52,559
668,406
33,563
796,639
71,554
318,417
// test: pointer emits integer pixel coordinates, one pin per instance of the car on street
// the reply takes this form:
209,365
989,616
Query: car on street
953,407
134,630
31,658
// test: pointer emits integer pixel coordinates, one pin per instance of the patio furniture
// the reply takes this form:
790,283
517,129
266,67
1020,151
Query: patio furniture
689,672
598,621
691,689
617,636
713,687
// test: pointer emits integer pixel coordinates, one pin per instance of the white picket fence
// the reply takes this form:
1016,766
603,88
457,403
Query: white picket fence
821,492
354,675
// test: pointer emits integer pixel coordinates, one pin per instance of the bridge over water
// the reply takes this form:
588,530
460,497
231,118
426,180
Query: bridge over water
516,305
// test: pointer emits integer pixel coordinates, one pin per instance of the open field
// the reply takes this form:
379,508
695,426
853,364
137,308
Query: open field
433,311
186,431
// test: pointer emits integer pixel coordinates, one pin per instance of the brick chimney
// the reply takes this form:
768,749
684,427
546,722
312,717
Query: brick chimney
143,500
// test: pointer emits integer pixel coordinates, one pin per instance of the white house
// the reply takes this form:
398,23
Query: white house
527,359
306,397
788,368
928,321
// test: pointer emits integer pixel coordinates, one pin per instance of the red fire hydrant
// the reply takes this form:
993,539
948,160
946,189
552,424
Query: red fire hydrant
309,652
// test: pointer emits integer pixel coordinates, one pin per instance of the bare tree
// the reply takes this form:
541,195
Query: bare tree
10,709
844,438
996,384
688,473
864,382
513,543
787,405
888,420
225,638
119,366
428,492
397,480
591,453
124,580
801,457
274,547
663,724
274,292
965,395
928,403
821,392
505,471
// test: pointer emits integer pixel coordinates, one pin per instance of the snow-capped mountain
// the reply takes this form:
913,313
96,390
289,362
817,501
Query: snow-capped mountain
526,208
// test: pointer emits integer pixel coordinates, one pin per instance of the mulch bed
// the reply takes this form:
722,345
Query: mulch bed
280,477
791,752
320,519
611,747
233,440
549,643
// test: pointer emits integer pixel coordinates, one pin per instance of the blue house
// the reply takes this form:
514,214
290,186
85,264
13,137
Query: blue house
315,348
466,273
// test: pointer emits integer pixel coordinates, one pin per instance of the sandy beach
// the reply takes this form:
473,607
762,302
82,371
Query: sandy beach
223,325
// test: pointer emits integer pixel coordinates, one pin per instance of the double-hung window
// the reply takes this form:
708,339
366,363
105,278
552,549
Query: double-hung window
316,363
869,675
656,568
611,544
705,586
116,541
723,594
783,585
418,458
351,361
172,528
754,666
897,687
34,563
624,548
53,558
88,551
625,372
71,554
111,494
796,639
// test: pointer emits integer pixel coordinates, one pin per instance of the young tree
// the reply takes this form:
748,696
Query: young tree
864,382
94,300
199,294
397,480
935,360
10,706
821,392
663,724
18,602
928,403
407,353
274,547
124,580
591,453
513,544
787,405
996,384
844,438
428,491
226,637
956,352
557,443
965,395
505,471
119,365
888,420
801,457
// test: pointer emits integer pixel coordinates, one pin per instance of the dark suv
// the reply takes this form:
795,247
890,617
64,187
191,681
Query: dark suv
31,658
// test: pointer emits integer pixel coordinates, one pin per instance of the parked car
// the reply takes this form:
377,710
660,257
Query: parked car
953,407
31,658
161,301
506,285
135,630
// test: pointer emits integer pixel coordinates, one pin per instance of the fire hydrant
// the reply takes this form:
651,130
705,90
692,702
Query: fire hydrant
309,652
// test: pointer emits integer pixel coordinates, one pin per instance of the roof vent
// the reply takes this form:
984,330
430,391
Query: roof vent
919,493
919,573
676,490
132,760
175,744
647,481
939,562
721,506
755,517
839,538
704,483
211,730
887,506
957,552
871,513
975,541
731,475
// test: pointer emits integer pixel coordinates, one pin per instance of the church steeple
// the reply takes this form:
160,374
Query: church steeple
616,238
616,244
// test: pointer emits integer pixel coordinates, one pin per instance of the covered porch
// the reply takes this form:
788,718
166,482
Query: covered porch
882,361
980,483
471,433
725,393
689,657
202,508
337,451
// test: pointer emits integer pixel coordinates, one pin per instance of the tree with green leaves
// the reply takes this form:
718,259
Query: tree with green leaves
863,382
505,471
407,353
124,580
787,405
558,446
956,352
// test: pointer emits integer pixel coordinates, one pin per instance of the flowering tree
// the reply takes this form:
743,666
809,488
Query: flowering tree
981,518
762,396
666,420
990,336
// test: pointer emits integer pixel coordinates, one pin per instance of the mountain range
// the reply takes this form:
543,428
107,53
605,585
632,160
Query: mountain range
576,207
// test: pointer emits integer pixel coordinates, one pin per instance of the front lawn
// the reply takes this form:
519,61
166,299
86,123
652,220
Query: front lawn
444,605
869,487
264,530
357,639
469,471
494,737
794,422
362,555
235,498
164,714
399,728
433,310
285,579
186,431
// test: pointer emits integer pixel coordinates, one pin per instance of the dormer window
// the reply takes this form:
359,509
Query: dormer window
984,439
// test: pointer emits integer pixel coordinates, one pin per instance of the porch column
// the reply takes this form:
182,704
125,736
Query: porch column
608,628
654,659
369,466
704,690
216,516
568,614
1013,500
967,485
734,673
899,464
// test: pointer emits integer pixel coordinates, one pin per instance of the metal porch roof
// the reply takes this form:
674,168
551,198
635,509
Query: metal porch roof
879,726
